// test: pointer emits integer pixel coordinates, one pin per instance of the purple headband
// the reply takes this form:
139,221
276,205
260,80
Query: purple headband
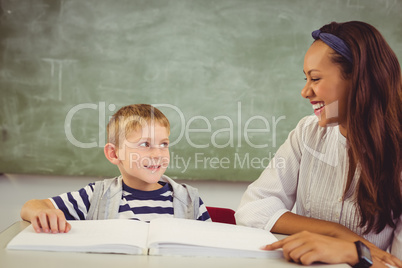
335,43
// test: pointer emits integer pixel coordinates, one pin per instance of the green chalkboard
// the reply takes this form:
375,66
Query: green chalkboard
227,73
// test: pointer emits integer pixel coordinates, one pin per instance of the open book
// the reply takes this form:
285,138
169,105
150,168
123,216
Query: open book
163,236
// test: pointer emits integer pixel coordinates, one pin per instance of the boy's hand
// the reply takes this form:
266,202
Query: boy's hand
44,216
50,221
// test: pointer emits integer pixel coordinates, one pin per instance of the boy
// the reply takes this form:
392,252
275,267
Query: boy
138,144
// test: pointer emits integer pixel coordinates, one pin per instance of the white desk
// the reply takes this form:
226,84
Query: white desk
25,259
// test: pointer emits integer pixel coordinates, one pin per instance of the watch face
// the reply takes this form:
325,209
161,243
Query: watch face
365,251
364,255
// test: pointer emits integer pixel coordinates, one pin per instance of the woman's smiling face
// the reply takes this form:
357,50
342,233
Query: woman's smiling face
326,88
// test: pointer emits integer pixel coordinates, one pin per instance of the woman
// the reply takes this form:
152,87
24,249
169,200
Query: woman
342,165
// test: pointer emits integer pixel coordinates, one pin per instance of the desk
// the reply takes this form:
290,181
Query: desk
20,259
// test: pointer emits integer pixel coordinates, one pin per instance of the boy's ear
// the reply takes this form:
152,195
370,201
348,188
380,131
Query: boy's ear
111,153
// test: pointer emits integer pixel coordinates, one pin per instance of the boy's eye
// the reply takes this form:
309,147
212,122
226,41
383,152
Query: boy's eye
144,144
165,145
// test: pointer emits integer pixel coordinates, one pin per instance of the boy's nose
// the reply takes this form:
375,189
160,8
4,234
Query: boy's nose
155,152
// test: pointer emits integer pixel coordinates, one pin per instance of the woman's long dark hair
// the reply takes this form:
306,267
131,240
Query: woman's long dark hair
374,121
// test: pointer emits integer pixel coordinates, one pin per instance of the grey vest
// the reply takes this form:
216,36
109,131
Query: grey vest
107,194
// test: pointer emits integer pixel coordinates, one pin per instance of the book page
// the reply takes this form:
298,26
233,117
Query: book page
181,233
107,236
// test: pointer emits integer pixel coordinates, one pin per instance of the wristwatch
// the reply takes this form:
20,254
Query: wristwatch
364,255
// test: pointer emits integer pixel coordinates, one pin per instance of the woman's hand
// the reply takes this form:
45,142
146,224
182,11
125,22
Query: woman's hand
286,225
382,256
306,248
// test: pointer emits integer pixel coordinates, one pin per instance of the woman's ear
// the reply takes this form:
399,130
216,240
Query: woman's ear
111,153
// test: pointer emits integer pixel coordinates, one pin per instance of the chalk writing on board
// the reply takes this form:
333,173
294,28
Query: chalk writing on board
56,72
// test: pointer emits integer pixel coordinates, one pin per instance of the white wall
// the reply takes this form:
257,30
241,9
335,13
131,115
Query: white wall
15,190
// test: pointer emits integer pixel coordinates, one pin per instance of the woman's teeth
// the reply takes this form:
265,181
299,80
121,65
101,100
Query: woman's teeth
318,105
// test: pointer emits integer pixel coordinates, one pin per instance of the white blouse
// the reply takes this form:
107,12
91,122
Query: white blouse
313,178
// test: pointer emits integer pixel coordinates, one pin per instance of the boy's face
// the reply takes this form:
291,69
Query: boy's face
144,156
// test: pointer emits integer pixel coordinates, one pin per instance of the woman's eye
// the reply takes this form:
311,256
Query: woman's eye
312,79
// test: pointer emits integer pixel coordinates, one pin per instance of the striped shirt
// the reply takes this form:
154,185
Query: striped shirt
134,204
310,171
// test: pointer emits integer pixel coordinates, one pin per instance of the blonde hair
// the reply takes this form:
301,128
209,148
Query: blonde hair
132,118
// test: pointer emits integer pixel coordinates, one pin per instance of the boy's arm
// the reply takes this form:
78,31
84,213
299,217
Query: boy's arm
44,216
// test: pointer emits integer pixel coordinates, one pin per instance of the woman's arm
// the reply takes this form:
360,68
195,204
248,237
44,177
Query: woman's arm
44,216
290,223
274,192
306,248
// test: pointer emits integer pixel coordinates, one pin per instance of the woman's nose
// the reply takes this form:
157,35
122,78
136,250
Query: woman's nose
307,91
